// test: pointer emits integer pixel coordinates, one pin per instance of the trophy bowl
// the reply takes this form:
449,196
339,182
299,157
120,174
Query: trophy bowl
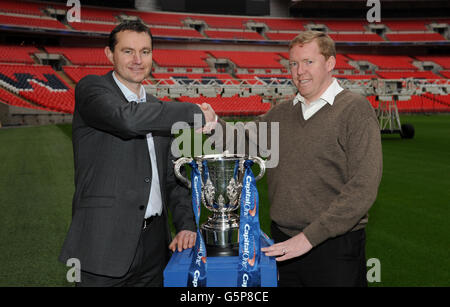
222,176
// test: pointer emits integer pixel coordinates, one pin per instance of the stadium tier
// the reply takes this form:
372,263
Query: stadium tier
250,59
39,84
385,61
18,54
13,100
26,84
365,37
407,25
19,7
172,58
181,25
443,61
81,56
415,37
247,35
32,22
76,73
232,106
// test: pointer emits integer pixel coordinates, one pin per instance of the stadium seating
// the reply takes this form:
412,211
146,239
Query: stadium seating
178,32
45,88
366,37
356,77
180,58
17,54
406,25
10,99
384,61
443,61
414,37
280,36
249,59
81,56
39,84
76,73
407,74
247,35
153,18
21,7
345,25
232,106
92,27
32,22
282,23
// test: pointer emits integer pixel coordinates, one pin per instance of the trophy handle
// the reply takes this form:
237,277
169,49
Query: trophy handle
177,167
262,167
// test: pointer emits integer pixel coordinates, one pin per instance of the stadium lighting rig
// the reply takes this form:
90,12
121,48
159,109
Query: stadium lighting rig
386,91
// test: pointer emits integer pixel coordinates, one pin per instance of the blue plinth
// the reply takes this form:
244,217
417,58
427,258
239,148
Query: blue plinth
222,271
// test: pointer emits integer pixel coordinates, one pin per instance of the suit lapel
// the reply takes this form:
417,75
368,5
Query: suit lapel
110,80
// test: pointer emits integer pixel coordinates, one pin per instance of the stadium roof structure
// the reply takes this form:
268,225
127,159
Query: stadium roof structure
276,88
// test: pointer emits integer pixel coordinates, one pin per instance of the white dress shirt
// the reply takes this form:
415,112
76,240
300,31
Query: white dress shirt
154,206
313,107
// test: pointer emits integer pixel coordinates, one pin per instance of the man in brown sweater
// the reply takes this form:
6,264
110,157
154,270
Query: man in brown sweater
327,178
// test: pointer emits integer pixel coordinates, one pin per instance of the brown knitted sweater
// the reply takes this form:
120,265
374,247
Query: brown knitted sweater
329,167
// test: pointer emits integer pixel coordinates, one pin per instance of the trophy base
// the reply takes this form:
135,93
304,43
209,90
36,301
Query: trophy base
217,251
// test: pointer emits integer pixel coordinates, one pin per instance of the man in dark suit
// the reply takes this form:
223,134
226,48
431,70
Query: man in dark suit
124,180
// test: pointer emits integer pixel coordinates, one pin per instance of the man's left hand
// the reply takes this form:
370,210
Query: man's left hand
183,240
294,247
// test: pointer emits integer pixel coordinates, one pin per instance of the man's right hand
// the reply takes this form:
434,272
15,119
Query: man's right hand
210,117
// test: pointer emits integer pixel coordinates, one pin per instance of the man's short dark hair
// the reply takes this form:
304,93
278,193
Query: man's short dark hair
135,26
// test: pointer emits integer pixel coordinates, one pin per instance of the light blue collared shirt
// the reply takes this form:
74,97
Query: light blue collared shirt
154,206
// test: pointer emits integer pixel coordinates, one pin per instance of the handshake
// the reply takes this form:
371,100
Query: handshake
210,117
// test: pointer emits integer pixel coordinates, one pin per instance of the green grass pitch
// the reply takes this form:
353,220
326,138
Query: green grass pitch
407,232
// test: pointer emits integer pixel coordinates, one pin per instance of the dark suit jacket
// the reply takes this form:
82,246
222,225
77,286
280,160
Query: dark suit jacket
113,174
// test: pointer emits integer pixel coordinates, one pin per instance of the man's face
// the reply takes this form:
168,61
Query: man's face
311,73
132,57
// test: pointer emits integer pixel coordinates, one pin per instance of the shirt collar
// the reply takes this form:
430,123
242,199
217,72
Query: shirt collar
129,95
327,96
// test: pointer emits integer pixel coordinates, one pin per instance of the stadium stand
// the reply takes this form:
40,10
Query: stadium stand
408,74
17,54
406,25
39,84
414,37
172,58
92,27
250,59
81,55
384,61
7,97
345,25
33,22
20,7
443,61
76,73
180,32
232,106
247,35
365,37
23,83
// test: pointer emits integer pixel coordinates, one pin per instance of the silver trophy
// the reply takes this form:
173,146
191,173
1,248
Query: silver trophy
221,193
